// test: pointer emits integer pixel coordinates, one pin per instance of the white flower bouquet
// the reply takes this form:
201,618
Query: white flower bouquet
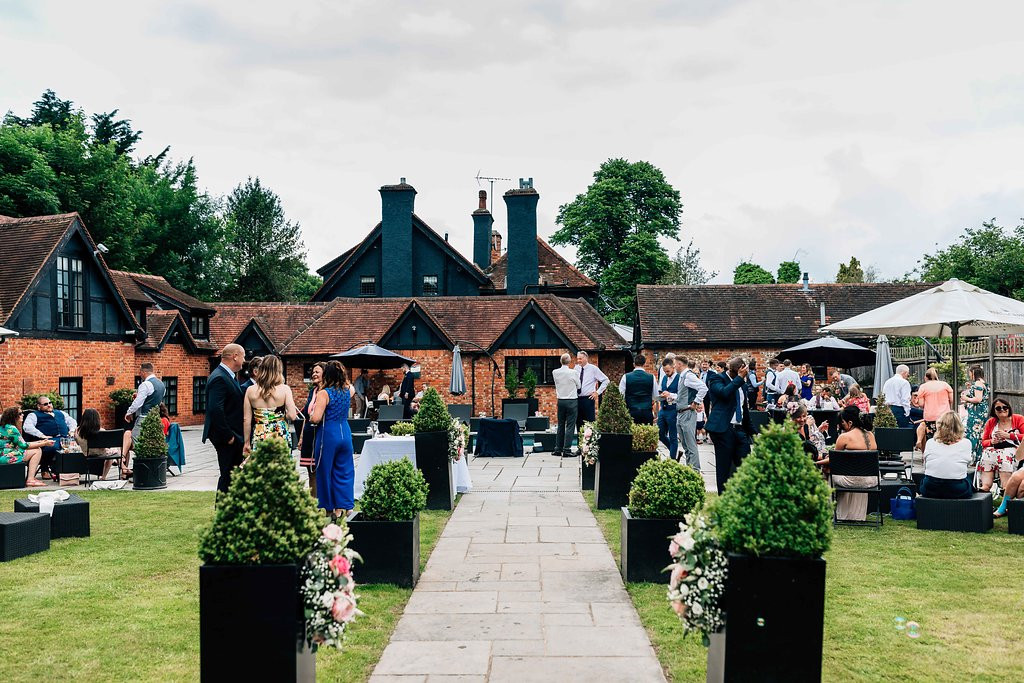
588,443
697,581
458,439
328,589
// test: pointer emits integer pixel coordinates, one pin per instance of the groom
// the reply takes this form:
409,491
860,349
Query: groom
223,426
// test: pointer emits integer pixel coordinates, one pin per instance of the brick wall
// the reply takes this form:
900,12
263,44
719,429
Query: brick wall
175,361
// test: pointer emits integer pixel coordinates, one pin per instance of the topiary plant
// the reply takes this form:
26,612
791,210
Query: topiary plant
776,503
884,418
394,491
122,397
530,382
612,416
29,401
151,442
645,438
433,413
403,429
665,489
267,516
512,382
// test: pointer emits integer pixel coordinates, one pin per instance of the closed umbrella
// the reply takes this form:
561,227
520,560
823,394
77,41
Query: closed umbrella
883,363
458,383
372,357
830,351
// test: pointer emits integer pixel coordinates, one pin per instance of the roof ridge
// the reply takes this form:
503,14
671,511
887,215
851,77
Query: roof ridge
572,316
309,323
544,243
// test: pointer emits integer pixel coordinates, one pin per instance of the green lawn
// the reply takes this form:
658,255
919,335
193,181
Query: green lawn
965,590
123,605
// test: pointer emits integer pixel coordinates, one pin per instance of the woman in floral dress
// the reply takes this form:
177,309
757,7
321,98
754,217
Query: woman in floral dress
975,399
14,449
269,405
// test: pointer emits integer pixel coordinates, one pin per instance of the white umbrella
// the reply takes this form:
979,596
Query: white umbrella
954,308
883,363
5,333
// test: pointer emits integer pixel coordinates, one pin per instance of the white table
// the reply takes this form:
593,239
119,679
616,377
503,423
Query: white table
388,448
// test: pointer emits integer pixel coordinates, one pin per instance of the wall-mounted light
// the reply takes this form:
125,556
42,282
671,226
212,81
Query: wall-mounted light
532,327
414,329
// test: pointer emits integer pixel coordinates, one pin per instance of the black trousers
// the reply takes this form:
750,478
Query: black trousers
567,409
229,456
731,446
586,411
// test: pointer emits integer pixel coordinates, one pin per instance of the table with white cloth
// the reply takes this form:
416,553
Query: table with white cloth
388,448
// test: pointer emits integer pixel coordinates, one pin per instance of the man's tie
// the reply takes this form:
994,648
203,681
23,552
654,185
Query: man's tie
739,407
579,392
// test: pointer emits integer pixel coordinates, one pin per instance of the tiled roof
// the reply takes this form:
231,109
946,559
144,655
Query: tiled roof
345,322
703,315
552,268
162,287
129,287
279,321
158,324
28,244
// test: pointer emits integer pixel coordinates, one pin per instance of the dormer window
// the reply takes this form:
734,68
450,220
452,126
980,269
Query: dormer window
70,293
200,326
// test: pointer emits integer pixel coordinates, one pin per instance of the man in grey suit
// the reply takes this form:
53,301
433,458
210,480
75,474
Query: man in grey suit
223,425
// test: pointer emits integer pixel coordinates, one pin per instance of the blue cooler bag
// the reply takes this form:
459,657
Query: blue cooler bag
902,506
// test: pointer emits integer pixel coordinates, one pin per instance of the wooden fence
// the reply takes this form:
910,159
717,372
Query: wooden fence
1002,359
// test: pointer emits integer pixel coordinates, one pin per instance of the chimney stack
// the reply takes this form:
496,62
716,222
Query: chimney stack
396,239
495,245
807,280
482,222
523,268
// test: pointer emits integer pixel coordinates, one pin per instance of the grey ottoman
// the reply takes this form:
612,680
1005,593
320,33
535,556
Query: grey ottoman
967,514
23,533
12,476
70,518
1015,516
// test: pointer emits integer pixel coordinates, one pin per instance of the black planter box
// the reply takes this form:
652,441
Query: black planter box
23,533
1015,517
150,473
70,518
12,476
775,617
544,441
432,460
538,424
533,404
587,475
644,546
251,624
617,464
390,550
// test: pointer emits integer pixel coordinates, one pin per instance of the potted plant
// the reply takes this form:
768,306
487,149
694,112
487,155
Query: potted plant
889,436
386,528
432,422
774,521
663,493
121,398
150,461
616,461
645,439
251,617
403,429
513,382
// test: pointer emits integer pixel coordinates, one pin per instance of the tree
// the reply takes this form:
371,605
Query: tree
988,257
627,208
307,286
48,109
266,253
118,132
788,273
748,273
850,272
684,268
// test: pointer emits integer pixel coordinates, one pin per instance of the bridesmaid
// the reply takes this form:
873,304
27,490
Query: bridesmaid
332,447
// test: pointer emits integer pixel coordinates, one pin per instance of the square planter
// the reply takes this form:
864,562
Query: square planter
70,518
251,624
390,550
150,473
775,618
432,460
12,476
1015,517
617,464
644,547
586,475
23,533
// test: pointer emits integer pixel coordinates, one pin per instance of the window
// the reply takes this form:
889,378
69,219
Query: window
70,293
200,326
70,389
367,285
140,315
307,372
198,394
429,285
542,366
171,394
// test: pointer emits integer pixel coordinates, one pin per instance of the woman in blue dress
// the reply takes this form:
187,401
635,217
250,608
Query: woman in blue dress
332,448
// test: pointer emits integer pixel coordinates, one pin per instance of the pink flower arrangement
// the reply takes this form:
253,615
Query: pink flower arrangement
697,581
328,589
588,443
341,566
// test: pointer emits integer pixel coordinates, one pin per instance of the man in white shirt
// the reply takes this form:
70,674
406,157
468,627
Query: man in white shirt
593,382
824,400
771,382
897,396
786,377
46,423
661,371
686,418
567,390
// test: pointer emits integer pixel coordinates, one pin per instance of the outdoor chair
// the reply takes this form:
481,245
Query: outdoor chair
891,443
758,419
518,412
462,412
389,413
79,463
856,464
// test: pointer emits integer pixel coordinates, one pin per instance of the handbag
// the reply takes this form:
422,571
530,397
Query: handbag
903,505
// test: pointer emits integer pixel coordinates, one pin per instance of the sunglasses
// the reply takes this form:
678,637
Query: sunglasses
1002,409
45,405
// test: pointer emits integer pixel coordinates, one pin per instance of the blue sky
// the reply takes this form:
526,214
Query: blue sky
824,129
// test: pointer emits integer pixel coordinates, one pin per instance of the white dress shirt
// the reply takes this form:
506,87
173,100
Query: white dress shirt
655,392
144,391
567,382
29,425
785,377
819,403
897,392
771,381
693,381
593,379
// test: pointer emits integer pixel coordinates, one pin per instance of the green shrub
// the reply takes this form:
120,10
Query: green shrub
665,489
122,397
512,382
883,415
945,370
645,438
267,517
530,382
433,413
394,491
403,429
151,442
612,416
28,401
777,503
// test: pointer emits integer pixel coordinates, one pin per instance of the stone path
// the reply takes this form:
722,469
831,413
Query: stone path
520,587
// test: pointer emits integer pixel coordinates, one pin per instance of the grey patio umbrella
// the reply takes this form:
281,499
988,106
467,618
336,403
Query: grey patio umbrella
883,364
829,351
372,357
458,383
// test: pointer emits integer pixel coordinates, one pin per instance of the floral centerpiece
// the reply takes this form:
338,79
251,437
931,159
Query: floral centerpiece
697,582
588,443
328,589
458,439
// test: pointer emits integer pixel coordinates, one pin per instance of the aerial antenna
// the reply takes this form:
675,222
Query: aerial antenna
491,180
